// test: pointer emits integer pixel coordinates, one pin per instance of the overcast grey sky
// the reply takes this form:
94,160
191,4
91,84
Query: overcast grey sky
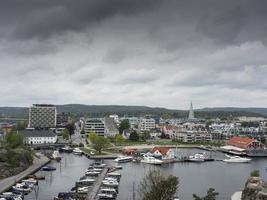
134,52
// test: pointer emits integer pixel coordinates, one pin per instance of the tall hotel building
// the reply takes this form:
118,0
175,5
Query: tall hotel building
42,116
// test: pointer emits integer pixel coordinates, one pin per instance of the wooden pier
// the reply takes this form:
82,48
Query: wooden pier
92,194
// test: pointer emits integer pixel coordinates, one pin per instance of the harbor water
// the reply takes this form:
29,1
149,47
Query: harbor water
226,178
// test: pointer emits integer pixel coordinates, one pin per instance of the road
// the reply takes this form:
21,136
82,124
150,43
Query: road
5,184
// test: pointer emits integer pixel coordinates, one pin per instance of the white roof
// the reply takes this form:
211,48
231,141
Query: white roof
228,147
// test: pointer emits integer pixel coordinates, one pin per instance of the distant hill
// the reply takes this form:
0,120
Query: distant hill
105,110
262,111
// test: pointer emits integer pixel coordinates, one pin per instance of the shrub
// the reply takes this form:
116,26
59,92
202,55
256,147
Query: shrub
255,173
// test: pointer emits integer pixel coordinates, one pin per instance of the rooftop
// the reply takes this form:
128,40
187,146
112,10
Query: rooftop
38,133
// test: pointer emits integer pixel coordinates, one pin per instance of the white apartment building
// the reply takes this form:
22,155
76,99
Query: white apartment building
95,125
39,137
146,124
42,116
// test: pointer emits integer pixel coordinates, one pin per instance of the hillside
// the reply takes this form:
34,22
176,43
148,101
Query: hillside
262,111
105,110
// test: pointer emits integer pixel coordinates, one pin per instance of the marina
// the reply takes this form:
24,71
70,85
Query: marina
72,167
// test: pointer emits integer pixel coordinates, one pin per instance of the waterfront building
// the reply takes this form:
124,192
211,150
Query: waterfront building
163,152
245,143
39,137
95,125
42,116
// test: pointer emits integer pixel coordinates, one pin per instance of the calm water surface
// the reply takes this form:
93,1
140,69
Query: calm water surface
196,178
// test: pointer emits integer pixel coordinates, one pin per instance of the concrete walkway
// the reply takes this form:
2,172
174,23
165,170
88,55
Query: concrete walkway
7,183
236,196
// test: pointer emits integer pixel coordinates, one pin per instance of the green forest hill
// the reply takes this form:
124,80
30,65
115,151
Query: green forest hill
121,110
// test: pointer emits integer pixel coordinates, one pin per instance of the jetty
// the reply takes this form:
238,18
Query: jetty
7,183
92,194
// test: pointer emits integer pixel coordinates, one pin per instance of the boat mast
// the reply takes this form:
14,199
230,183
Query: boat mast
133,192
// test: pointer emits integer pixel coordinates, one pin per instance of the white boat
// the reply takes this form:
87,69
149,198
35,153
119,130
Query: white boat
110,183
122,159
236,159
116,174
86,181
97,169
92,173
77,151
30,181
21,187
198,157
83,190
118,167
108,191
151,160
56,156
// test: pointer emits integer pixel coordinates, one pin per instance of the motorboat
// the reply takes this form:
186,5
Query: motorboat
56,156
13,195
30,181
77,151
198,157
66,149
115,174
236,159
92,173
122,159
99,164
108,191
110,183
151,160
103,196
21,188
83,190
48,168
118,167
97,169
86,181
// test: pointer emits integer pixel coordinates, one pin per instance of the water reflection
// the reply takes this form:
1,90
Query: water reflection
194,177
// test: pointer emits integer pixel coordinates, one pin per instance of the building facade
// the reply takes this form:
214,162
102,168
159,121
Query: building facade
95,125
42,116
62,119
35,137
146,124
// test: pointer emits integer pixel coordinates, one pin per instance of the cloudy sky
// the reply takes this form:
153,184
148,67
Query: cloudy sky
125,52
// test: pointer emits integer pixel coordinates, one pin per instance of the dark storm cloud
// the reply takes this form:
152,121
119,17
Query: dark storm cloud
145,52
43,19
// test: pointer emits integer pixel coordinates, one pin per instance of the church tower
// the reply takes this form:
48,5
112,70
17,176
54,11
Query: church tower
191,112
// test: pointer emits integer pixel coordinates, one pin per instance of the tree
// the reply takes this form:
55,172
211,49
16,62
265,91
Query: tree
255,173
66,134
134,136
211,195
21,125
124,125
14,140
100,143
92,137
155,186
71,128
145,135
119,139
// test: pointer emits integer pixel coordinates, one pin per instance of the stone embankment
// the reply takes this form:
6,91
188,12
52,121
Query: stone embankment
255,189
7,183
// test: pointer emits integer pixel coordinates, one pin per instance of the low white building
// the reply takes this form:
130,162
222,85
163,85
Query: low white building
39,137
